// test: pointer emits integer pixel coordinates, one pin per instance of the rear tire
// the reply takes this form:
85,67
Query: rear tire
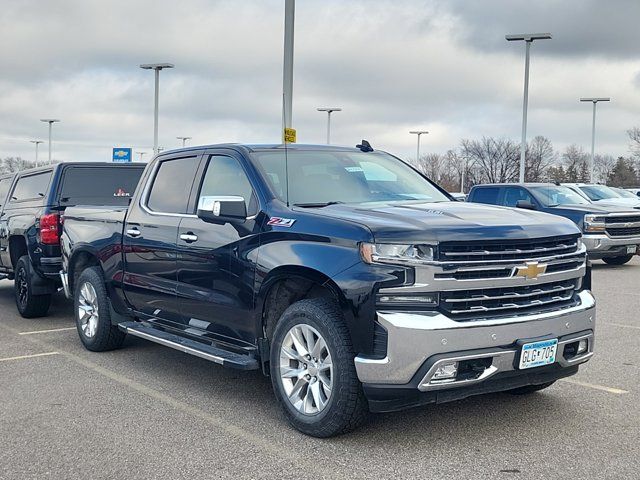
93,314
617,260
527,389
28,304
317,388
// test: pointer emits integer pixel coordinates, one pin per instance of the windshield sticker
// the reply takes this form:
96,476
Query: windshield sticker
354,169
281,222
121,192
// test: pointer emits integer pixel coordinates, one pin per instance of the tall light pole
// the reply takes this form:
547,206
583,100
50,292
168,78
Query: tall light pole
329,110
594,100
36,142
287,71
418,133
141,154
528,38
184,140
156,67
50,121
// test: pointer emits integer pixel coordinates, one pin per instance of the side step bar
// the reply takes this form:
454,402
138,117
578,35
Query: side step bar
208,352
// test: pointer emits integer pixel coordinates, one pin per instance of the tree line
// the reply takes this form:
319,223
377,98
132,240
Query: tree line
497,160
14,164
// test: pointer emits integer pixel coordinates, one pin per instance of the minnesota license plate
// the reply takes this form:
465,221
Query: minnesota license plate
537,354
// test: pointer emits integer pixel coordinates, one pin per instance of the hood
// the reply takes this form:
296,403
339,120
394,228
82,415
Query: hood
449,221
619,202
591,208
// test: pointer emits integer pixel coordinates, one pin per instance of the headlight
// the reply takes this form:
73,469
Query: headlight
593,223
395,254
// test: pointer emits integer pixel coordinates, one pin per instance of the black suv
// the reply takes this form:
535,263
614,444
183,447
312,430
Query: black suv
32,203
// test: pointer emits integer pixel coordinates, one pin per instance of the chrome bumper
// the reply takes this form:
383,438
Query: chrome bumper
413,338
599,245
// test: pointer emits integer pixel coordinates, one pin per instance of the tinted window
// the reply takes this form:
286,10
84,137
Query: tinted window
486,195
553,195
31,187
5,183
99,185
226,177
513,195
172,185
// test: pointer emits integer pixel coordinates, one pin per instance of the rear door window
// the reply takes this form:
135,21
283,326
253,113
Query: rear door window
486,195
172,185
31,187
112,186
5,184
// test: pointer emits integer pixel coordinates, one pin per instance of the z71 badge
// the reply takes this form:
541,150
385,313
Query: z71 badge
280,222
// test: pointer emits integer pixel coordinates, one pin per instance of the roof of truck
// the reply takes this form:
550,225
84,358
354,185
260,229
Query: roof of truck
253,147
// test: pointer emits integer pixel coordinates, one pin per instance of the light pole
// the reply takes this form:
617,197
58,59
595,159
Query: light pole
50,121
329,110
287,70
184,140
156,67
141,154
528,38
594,100
418,133
36,142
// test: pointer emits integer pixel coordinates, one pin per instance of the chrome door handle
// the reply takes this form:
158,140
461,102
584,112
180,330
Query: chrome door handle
133,232
188,237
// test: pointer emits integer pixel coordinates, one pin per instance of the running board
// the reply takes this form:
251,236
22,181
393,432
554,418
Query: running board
208,352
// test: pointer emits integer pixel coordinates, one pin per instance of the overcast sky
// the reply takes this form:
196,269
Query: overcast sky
393,66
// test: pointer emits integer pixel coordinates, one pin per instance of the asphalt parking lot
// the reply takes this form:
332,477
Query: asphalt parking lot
146,411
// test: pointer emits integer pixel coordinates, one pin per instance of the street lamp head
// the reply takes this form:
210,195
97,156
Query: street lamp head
49,120
184,138
418,132
595,99
330,109
36,141
156,66
527,37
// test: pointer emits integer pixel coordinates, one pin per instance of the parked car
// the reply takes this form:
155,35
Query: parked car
603,195
610,233
33,203
343,273
624,193
460,197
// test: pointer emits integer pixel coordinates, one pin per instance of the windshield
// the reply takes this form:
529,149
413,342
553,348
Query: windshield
318,178
599,192
553,195
625,193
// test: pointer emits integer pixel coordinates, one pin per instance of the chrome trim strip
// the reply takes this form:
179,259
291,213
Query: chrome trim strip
514,251
538,291
511,306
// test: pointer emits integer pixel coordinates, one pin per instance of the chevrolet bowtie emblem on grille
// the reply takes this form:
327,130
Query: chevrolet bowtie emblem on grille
530,270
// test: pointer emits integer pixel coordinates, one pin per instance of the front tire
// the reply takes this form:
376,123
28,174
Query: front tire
28,304
617,260
312,370
93,314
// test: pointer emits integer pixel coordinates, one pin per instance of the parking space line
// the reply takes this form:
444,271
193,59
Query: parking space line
621,325
48,331
24,357
616,391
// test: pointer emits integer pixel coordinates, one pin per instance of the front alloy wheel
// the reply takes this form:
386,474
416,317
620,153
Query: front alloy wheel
306,369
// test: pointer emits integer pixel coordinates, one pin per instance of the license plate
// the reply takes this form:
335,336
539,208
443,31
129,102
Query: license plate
537,354
631,249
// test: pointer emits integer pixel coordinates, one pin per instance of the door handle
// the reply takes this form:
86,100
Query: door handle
188,237
133,232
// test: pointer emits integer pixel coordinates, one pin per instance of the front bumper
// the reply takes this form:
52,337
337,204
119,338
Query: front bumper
417,343
601,246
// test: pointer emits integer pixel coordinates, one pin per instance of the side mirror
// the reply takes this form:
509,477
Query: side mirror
525,204
222,209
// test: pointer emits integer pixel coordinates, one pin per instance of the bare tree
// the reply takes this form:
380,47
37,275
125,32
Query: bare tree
634,137
576,164
538,158
603,165
14,164
491,160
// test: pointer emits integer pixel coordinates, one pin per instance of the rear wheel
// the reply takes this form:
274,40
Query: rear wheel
312,370
92,313
527,389
28,304
617,260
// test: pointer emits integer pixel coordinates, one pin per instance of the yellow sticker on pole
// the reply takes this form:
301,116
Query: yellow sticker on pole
289,135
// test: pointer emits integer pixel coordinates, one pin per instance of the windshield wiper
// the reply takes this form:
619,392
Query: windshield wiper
315,205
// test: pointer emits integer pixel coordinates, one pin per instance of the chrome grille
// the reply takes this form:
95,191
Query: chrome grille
622,225
526,249
508,300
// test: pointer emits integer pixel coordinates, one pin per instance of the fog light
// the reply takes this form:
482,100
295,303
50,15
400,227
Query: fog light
582,346
446,371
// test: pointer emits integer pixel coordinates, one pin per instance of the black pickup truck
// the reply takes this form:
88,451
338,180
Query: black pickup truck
33,204
352,280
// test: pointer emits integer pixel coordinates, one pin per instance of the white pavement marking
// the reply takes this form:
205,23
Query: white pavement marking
616,391
48,331
620,325
24,357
